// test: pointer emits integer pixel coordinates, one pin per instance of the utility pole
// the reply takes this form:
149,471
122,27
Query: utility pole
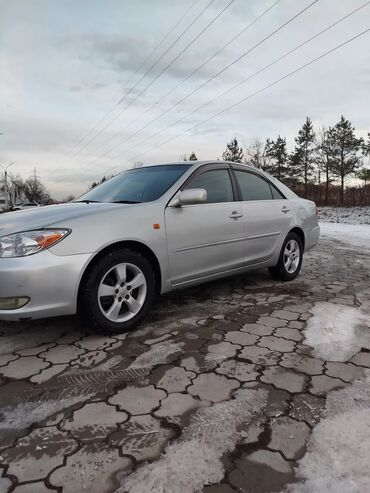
5,168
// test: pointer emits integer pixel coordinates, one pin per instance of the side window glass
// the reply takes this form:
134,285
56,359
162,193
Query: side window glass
217,183
275,193
253,187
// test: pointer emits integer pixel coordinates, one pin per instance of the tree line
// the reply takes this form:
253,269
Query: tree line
25,190
319,166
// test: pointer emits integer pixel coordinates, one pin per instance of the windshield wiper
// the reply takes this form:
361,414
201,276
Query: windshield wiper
86,202
126,202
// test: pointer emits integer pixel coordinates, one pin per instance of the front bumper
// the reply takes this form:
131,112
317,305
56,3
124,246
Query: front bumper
50,281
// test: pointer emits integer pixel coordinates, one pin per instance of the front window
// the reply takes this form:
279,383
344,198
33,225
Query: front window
217,183
137,185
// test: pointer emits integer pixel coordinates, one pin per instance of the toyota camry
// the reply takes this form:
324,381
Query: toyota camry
147,231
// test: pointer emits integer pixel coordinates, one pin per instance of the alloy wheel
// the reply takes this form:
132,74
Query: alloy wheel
292,255
122,292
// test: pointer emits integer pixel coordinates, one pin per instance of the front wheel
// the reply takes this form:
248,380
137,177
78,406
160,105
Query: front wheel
290,259
119,291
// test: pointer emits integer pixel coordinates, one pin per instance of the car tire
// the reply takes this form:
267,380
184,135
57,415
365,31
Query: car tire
118,292
290,259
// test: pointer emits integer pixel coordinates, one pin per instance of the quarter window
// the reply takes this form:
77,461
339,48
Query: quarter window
217,183
253,187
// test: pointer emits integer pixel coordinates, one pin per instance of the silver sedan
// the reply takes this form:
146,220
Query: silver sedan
148,231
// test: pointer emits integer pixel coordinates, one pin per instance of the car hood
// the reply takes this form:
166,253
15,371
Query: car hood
43,217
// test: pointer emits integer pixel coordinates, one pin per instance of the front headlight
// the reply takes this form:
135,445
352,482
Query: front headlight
30,242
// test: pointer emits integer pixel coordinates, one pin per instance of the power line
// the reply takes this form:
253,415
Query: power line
289,74
138,69
143,76
258,71
149,108
236,60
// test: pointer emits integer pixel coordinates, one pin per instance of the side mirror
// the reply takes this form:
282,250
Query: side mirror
189,196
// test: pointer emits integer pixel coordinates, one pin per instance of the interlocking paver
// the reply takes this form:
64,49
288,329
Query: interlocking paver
142,437
93,468
285,314
243,372
23,367
308,408
304,364
211,387
257,329
176,405
175,379
35,455
94,421
62,353
138,400
260,355
272,322
261,471
277,344
225,349
344,371
78,410
322,384
242,338
362,359
288,333
284,379
289,437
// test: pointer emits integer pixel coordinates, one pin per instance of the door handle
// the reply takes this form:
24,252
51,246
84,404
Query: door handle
285,209
235,215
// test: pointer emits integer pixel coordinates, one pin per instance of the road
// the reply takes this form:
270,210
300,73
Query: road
220,376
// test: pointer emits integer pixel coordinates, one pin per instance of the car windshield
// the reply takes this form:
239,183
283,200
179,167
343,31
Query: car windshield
136,185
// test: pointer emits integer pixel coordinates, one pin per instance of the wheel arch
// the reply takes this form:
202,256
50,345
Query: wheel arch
135,246
298,231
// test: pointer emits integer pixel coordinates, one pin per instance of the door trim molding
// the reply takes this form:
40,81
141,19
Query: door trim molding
205,245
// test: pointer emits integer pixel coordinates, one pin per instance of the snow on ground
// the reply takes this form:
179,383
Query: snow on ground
337,332
195,460
337,457
349,215
352,235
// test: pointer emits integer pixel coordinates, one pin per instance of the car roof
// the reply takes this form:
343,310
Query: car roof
198,163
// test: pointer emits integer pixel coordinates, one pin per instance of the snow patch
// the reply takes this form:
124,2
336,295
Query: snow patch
195,461
156,355
23,415
337,458
337,332
357,236
349,215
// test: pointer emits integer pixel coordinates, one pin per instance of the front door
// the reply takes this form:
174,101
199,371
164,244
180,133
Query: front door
205,239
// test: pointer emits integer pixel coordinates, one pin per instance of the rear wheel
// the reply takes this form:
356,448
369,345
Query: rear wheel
290,259
118,292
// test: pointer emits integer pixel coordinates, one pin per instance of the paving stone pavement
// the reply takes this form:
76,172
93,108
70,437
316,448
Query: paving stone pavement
79,411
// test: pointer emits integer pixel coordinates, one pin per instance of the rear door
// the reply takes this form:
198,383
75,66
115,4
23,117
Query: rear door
206,239
267,215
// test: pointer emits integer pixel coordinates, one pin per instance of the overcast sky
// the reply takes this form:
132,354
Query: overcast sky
66,64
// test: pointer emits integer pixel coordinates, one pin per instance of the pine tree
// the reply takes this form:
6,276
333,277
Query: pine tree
346,146
193,157
324,157
233,152
302,159
277,154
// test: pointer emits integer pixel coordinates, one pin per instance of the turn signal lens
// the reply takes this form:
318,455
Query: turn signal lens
30,242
